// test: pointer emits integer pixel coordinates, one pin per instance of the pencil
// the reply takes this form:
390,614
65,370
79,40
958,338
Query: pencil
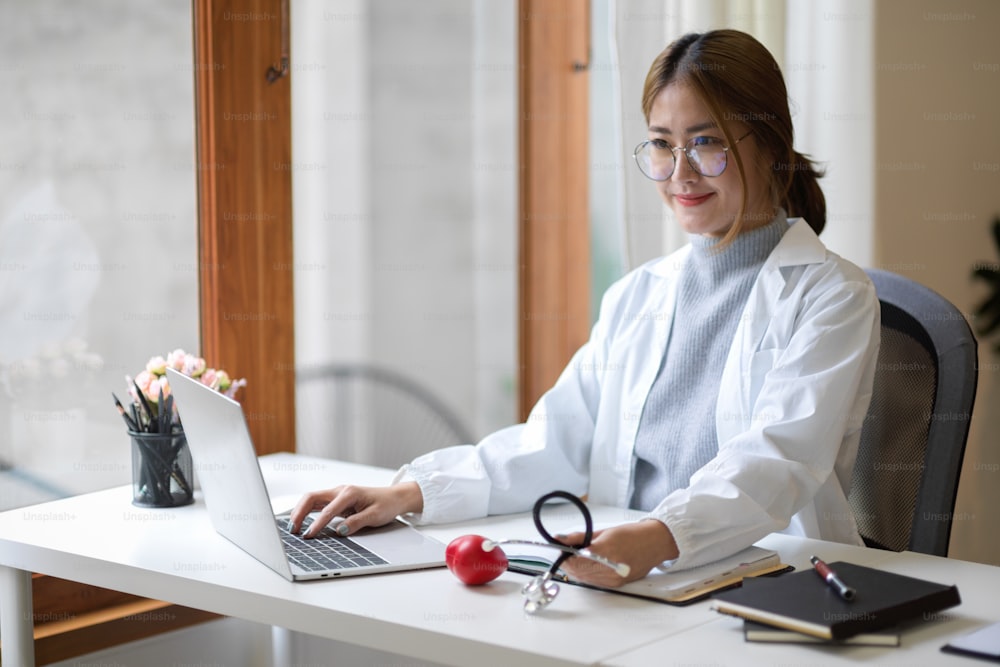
145,405
121,410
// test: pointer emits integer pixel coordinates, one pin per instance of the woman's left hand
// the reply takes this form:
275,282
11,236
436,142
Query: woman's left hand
641,545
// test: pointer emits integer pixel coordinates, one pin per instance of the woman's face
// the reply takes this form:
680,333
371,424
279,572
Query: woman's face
703,204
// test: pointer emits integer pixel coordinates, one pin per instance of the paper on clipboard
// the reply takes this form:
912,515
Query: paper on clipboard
677,587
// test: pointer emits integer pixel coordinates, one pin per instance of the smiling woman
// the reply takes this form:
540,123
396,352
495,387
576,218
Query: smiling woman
742,402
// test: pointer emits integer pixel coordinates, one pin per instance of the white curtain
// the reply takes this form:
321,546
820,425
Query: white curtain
825,51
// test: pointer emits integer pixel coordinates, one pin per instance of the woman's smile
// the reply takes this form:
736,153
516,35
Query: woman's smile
690,200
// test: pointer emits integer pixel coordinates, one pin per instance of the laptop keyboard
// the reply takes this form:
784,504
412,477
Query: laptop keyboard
326,551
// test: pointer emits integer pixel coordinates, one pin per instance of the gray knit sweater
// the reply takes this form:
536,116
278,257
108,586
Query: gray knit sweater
676,433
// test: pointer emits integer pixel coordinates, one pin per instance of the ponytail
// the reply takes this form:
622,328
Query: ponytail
803,196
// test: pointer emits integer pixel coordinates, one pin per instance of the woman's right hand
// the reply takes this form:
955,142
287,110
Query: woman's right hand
360,506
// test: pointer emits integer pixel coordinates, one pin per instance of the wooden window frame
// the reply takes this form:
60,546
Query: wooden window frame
244,151
553,211
244,183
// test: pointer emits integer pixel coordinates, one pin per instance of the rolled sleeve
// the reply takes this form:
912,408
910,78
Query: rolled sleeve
453,483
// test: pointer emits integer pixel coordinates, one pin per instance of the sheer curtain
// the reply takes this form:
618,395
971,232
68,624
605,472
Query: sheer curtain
825,51
404,134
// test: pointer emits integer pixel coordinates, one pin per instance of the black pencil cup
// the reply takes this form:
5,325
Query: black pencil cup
162,471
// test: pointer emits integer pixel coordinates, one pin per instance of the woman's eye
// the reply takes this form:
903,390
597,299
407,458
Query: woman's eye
659,144
704,141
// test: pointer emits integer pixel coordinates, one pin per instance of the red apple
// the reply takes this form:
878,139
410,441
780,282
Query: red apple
467,559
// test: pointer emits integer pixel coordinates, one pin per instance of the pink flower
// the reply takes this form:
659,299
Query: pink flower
160,383
210,378
148,385
194,366
236,384
157,365
188,364
224,380
153,379
176,359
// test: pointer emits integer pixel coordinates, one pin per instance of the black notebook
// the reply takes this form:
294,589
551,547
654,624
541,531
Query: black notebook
758,632
803,602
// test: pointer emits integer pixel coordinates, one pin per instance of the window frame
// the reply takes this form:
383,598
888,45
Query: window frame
553,206
243,144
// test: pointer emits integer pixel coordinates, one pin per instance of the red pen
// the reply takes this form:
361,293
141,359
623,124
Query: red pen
832,580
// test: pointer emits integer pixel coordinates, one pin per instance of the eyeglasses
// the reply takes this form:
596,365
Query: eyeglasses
707,155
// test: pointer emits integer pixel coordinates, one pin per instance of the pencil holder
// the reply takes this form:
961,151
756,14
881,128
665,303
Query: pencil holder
162,471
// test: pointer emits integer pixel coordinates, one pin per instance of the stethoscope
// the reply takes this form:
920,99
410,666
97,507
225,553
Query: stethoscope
542,590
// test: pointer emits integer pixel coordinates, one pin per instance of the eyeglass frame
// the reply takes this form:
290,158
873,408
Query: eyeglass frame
687,154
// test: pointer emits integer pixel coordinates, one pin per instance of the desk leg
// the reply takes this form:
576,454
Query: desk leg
284,646
17,628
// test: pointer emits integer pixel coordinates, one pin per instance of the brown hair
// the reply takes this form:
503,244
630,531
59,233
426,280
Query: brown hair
738,79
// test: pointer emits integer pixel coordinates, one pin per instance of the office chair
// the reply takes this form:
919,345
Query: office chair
913,437
367,414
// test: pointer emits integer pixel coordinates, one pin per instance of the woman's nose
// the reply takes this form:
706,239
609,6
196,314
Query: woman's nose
683,171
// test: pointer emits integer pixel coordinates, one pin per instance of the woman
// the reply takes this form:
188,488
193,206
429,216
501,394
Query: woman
723,387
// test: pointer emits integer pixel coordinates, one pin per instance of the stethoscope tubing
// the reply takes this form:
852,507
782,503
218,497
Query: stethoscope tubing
622,569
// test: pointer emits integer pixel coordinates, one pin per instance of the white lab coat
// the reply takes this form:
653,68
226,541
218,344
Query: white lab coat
795,389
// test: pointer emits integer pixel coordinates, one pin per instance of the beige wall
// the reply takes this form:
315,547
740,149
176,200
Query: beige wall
937,190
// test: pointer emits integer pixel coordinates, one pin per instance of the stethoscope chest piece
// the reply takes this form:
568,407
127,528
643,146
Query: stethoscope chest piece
539,592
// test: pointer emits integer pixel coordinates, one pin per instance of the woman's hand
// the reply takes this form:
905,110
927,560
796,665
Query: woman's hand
641,545
360,506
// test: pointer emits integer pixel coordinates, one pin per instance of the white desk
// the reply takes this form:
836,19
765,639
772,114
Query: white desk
175,555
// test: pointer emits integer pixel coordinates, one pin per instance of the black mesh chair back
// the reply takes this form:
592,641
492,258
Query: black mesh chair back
372,415
913,438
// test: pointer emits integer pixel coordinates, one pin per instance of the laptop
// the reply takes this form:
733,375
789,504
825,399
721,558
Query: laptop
241,511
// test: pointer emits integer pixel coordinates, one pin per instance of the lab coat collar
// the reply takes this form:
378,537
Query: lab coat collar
799,245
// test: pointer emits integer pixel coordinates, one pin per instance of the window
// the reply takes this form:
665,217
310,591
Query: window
98,254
